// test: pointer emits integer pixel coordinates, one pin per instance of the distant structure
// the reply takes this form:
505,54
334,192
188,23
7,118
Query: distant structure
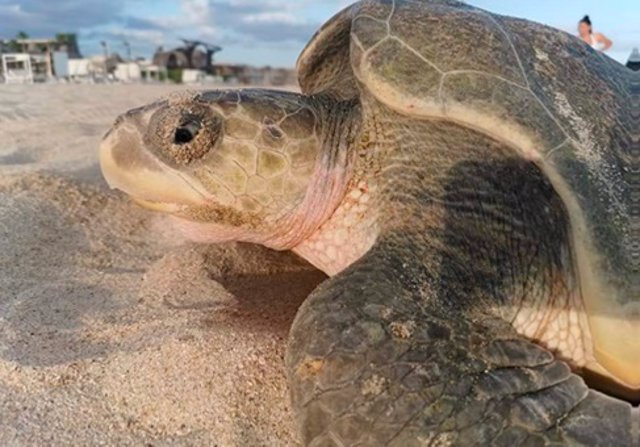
29,59
634,60
194,61
249,75
63,42
193,55
25,60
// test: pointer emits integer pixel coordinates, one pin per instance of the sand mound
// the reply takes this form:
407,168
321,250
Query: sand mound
113,330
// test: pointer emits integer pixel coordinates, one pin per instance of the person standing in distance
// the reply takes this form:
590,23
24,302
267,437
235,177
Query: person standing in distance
597,41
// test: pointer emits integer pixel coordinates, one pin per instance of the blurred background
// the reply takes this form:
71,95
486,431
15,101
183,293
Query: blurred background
232,41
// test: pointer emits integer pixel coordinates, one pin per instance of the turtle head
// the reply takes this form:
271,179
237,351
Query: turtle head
246,165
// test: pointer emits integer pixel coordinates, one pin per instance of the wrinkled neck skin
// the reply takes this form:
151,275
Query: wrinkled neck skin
331,177
350,229
305,226
333,224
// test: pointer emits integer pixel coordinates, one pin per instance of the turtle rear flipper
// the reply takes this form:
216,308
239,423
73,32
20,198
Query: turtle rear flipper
372,362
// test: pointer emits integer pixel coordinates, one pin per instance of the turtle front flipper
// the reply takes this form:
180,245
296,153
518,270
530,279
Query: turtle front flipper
374,361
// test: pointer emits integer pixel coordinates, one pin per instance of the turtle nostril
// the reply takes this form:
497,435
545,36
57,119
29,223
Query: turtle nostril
186,132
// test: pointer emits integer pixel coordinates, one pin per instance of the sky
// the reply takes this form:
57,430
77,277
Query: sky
265,32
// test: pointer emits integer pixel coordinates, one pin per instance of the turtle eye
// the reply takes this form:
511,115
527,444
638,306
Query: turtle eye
180,137
187,131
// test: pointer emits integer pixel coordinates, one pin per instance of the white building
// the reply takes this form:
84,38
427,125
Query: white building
128,72
17,68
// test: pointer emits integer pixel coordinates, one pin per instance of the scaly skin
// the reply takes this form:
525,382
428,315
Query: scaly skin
259,166
473,200
408,359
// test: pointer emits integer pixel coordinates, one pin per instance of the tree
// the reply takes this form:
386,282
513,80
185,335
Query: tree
70,40
65,37
13,45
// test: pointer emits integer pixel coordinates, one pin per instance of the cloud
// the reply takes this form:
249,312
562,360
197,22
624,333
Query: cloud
140,40
270,21
271,24
46,17
194,21
136,23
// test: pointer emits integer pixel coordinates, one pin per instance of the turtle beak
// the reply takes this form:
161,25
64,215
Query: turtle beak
129,166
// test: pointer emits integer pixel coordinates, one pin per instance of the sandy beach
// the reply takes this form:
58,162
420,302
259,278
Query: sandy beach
113,329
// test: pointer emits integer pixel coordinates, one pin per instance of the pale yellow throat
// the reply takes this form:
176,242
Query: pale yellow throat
347,235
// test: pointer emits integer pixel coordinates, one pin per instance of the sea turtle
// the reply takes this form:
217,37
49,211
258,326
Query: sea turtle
469,183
